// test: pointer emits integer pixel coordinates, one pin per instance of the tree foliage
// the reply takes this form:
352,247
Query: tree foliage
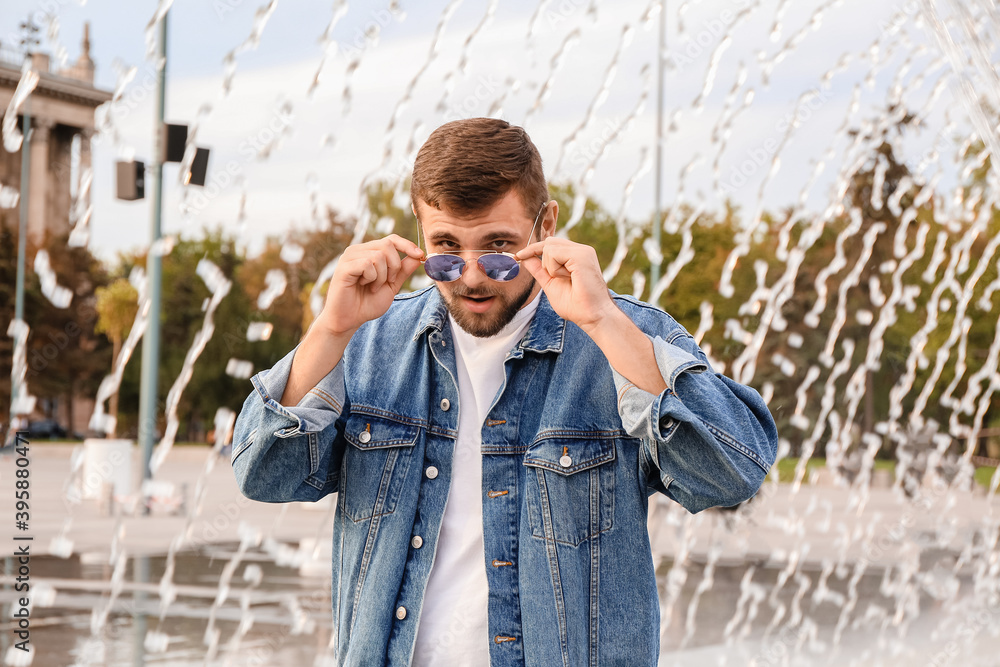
65,357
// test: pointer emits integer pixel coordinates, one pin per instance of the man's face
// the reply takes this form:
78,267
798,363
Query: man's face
481,306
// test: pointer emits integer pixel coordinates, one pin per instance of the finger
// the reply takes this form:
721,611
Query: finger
405,246
407,266
534,267
392,262
356,270
557,263
379,262
531,250
368,274
538,247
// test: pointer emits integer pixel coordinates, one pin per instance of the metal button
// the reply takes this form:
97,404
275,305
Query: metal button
565,461
401,613
365,436
445,404
431,472
668,422
417,541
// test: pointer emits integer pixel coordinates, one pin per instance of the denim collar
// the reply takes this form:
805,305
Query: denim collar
546,332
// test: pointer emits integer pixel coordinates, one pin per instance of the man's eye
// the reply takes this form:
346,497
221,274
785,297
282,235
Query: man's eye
499,245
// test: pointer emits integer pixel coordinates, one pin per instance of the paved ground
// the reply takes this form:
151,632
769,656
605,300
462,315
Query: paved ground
91,527
817,526
816,523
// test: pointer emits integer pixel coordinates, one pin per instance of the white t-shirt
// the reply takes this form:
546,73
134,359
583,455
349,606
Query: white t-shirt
453,626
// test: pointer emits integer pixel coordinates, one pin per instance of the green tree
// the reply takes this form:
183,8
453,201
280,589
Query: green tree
65,358
117,305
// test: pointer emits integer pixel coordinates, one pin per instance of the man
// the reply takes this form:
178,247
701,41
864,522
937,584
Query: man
493,439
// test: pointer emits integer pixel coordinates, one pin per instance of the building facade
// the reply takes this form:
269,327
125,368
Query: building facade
62,109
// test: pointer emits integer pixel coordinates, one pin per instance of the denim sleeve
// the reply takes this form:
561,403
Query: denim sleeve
284,453
711,440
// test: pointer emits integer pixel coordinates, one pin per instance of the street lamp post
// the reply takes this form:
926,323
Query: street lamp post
17,386
654,270
29,40
154,266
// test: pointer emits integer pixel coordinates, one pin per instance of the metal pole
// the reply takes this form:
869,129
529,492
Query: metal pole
654,269
17,387
151,339
140,565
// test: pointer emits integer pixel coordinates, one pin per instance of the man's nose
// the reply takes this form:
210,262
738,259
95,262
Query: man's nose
473,276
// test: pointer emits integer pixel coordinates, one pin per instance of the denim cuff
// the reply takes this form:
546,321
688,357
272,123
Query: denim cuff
317,410
645,415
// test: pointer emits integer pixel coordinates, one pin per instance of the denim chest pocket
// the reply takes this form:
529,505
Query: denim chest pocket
570,488
375,465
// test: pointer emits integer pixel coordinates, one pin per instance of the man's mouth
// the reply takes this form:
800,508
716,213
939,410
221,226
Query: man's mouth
477,304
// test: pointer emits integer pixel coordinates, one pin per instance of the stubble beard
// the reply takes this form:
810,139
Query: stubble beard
488,324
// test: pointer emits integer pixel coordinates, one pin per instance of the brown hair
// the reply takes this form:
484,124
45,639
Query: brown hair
467,166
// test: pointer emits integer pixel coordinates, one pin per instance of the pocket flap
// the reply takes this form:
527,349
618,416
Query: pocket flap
569,455
370,432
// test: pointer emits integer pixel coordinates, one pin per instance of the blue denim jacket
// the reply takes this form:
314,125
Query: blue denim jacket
571,451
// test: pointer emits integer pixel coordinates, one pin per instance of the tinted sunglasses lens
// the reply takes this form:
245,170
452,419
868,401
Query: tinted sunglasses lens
444,268
499,267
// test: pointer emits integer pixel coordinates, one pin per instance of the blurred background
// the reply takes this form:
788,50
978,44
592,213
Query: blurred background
807,186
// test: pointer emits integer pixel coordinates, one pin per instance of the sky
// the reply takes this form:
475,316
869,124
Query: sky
281,153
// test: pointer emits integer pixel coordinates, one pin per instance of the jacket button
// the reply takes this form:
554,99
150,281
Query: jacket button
365,436
565,461
401,613
445,404
668,422
417,541
431,472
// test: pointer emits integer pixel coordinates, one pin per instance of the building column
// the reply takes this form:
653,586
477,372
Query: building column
38,190
79,216
86,134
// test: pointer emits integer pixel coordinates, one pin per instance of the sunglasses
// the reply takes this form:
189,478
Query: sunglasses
495,265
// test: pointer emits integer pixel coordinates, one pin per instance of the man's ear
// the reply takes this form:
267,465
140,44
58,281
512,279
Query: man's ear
549,220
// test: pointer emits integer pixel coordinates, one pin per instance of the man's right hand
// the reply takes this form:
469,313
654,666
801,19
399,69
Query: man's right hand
365,281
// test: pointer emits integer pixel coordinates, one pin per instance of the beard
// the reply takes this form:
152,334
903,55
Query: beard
485,325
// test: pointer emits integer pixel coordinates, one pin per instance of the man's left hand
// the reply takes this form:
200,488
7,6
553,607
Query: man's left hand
571,277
